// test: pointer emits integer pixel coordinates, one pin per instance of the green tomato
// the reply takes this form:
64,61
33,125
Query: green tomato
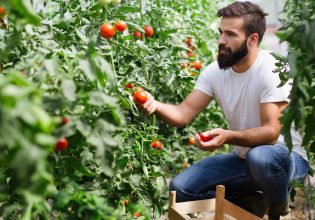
116,2
104,2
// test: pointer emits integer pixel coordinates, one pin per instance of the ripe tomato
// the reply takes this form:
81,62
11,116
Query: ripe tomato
185,164
126,202
116,2
107,31
197,64
62,144
140,97
137,34
188,41
136,214
148,31
156,144
129,85
191,141
121,26
104,2
64,120
205,138
190,54
3,12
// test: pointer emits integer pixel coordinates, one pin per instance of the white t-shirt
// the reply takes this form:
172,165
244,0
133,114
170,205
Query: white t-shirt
240,95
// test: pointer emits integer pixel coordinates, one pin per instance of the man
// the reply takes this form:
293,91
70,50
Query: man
244,84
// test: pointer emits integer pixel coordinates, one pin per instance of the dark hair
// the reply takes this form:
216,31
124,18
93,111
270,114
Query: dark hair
254,17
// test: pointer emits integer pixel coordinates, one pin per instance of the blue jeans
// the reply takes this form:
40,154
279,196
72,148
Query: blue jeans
267,168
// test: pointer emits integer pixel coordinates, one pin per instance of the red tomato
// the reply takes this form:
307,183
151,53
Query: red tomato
140,97
156,144
121,26
205,138
185,164
191,141
136,214
64,121
148,31
126,202
137,34
197,64
62,144
107,31
129,85
3,12
188,41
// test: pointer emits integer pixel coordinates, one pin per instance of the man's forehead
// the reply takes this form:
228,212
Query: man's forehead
235,24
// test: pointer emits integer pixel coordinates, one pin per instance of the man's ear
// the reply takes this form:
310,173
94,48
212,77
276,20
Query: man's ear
253,39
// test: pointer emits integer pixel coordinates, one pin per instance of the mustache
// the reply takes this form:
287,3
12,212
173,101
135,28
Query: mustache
222,47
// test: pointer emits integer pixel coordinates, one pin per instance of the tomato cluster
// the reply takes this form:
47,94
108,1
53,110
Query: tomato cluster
156,144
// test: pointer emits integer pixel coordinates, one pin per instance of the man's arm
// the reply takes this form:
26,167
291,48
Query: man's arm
182,114
267,133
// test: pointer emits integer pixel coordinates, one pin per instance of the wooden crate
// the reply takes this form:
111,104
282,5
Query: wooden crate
217,209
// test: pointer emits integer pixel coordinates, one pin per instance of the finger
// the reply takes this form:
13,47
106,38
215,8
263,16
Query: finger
148,102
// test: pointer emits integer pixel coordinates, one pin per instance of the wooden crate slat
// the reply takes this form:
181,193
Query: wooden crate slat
237,212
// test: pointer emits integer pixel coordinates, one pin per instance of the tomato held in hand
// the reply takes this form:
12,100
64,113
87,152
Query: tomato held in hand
62,144
205,138
148,31
121,26
107,31
140,97
137,34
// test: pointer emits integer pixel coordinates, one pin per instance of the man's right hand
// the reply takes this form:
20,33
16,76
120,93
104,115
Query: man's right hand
151,105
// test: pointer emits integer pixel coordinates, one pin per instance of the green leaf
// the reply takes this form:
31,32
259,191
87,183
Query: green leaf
25,9
68,89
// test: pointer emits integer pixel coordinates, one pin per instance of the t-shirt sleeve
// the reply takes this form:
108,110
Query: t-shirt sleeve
272,92
203,82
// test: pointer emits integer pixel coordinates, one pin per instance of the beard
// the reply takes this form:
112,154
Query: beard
229,58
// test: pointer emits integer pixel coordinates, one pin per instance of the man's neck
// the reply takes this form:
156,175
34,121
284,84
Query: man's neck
244,64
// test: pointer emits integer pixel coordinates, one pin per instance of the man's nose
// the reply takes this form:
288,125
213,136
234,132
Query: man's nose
222,40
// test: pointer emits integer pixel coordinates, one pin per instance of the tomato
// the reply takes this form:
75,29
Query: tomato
137,34
3,12
205,138
191,141
185,164
156,144
64,121
136,214
183,65
197,64
104,2
121,26
107,31
140,97
148,31
62,144
126,202
116,2
129,85
188,41
190,54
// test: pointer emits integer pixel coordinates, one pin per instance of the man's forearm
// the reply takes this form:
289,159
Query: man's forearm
171,114
254,136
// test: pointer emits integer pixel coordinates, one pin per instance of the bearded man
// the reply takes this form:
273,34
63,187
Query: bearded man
244,84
